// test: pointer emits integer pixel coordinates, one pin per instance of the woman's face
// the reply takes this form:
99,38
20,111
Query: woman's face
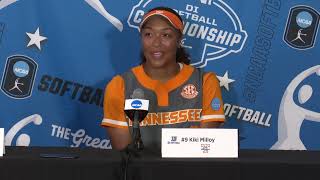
159,42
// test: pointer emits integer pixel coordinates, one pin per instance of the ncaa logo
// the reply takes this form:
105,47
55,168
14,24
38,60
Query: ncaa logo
136,104
302,27
212,30
18,76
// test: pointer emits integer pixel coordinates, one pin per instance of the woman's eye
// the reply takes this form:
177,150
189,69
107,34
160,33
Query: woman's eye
147,34
166,35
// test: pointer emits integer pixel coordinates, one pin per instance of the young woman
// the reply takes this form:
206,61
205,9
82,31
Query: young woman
180,96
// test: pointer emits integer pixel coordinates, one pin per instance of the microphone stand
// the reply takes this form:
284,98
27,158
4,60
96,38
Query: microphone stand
134,147
136,135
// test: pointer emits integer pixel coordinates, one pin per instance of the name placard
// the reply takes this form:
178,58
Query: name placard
199,143
1,141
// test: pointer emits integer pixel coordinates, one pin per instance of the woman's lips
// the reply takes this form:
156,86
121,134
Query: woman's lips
157,54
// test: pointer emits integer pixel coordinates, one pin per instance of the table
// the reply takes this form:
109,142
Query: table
25,163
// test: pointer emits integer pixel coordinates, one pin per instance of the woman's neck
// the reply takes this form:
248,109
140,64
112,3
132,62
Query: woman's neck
162,74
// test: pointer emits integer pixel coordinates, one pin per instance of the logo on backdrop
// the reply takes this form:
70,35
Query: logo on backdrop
22,139
5,3
302,27
259,59
96,4
291,115
212,30
79,137
74,90
18,76
245,114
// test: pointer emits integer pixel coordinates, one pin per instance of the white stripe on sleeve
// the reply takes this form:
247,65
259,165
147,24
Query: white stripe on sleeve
205,117
115,122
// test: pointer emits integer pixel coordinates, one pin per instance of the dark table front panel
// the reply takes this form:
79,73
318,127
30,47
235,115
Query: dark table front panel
25,163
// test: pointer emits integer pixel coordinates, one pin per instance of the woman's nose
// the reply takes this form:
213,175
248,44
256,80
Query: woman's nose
156,41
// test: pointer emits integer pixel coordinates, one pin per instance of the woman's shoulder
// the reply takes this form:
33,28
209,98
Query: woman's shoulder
206,75
115,83
119,78
202,71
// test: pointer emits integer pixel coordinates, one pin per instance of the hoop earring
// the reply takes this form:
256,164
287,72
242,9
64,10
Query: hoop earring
179,44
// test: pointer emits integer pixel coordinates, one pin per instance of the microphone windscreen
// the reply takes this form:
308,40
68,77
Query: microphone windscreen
138,94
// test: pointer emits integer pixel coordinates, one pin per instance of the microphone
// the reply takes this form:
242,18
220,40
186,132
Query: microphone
136,109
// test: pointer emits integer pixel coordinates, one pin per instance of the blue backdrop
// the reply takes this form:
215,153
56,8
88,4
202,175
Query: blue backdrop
57,56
